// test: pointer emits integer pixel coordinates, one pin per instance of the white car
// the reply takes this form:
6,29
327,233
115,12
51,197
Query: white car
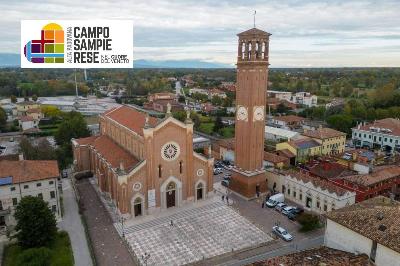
279,207
288,209
282,233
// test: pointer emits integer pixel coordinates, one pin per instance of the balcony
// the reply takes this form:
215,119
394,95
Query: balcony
5,211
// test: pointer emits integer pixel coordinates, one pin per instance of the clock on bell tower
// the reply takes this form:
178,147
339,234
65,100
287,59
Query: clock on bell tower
251,92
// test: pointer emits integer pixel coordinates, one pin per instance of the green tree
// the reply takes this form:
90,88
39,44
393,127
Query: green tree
3,118
13,98
216,100
34,257
34,97
36,224
341,122
218,124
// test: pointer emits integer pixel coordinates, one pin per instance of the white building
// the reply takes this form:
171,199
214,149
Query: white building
303,98
278,134
384,133
198,90
316,195
371,227
27,122
27,178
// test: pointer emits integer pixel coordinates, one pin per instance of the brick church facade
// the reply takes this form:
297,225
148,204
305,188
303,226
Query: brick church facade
144,164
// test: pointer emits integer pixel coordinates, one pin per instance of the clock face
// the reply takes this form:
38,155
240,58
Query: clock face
170,151
242,113
137,186
258,113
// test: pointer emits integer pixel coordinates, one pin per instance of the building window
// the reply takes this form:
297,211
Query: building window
180,167
288,191
159,171
26,186
52,194
301,196
38,184
318,205
15,201
51,182
294,194
40,195
54,208
325,207
12,188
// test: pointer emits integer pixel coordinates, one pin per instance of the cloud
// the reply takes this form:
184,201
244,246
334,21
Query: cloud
304,32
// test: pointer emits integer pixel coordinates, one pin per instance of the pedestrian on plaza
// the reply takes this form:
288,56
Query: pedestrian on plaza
223,197
171,223
227,199
258,194
262,205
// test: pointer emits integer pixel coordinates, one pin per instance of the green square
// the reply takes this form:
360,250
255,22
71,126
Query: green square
59,48
60,60
49,48
49,59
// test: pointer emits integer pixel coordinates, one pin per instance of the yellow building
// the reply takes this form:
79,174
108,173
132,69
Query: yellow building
23,107
331,141
304,148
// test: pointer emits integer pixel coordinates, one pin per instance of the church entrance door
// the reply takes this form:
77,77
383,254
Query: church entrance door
171,190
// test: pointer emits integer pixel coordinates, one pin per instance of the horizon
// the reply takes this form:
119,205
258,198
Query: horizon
304,33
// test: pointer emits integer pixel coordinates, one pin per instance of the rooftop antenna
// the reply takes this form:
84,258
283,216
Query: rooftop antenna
254,18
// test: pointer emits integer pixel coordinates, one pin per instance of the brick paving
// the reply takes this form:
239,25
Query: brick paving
109,249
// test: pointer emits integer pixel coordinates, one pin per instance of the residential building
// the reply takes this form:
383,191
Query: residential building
275,161
159,102
315,194
198,90
317,256
35,113
27,123
27,178
23,107
216,92
383,180
304,148
287,122
279,134
303,98
331,141
370,227
143,164
384,133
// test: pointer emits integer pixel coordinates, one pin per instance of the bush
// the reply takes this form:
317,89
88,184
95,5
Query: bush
308,222
34,257
83,175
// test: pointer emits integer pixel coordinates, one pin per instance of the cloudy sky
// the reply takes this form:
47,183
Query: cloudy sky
305,33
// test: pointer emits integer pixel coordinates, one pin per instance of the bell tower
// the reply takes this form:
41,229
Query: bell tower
251,91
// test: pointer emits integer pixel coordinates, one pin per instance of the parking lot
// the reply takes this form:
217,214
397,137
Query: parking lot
265,218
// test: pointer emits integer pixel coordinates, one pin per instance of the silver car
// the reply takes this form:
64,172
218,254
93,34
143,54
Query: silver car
282,233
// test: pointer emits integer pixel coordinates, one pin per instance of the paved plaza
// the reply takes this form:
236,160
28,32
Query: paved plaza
196,234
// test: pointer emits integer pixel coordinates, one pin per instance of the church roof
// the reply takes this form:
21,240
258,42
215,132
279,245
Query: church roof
253,32
130,118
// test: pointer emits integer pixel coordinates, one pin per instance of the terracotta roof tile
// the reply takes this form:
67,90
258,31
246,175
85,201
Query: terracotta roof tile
274,158
323,133
130,118
289,118
378,174
25,171
387,123
376,219
33,110
86,141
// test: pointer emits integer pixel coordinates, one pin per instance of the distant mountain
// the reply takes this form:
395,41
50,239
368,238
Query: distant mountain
141,63
13,60
9,60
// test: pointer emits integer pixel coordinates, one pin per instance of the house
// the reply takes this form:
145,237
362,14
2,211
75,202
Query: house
304,148
273,103
315,194
331,141
35,113
27,178
198,90
370,227
303,98
23,107
317,256
279,134
384,133
383,180
216,92
27,123
159,102
275,160
287,122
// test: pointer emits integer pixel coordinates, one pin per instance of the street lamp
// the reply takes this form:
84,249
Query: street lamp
145,257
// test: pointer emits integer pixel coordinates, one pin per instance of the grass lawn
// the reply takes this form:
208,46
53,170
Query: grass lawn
227,132
61,252
206,127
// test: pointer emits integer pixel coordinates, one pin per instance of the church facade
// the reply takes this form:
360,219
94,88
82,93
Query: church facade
143,164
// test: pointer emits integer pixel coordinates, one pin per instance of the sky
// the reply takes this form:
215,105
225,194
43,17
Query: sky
305,33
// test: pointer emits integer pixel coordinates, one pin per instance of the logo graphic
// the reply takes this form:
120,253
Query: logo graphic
50,47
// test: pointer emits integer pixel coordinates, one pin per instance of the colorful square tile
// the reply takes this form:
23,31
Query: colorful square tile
49,48
59,60
49,60
36,47
59,36
49,34
59,48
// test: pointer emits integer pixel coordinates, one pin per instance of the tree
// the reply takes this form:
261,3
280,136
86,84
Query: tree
34,97
281,108
218,124
341,122
51,111
36,223
13,98
216,100
308,222
3,118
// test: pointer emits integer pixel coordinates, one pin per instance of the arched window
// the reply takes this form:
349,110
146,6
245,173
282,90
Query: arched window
180,167
159,171
199,191
171,186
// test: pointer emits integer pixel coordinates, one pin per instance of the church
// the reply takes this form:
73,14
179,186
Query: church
144,164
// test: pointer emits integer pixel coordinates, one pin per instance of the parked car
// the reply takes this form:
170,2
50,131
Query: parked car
225,183
227,177
282,233
217,171
292,216
287,210
275,199
297,210
279,207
